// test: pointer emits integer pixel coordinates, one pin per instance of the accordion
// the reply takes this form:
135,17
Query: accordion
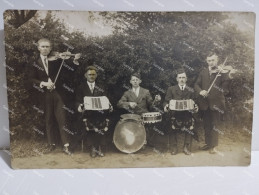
181,105
96,103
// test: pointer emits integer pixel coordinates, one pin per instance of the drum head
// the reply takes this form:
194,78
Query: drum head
131,116
129,136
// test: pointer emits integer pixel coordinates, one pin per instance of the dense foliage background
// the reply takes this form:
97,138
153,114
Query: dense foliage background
154,43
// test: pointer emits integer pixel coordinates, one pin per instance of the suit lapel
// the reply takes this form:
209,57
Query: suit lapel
185,92
39,62
87,90
132,95
96,90
179,91
209,78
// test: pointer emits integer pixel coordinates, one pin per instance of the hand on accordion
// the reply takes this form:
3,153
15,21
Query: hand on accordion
166,108
195,109
110,108
81,108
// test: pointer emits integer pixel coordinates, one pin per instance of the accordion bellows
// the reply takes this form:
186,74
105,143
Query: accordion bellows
96,103
181,105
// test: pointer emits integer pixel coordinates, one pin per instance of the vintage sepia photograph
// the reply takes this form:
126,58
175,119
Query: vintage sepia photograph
90,89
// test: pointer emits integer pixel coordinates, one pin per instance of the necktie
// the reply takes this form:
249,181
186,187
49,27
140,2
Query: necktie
182,88
91,88
46,64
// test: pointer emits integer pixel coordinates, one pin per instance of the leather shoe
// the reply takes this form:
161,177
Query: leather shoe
52,147
100,152
205,147
213,150
93,152
67,150
186,150
174,151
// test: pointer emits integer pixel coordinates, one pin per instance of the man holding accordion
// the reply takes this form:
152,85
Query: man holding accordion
180,107
94,106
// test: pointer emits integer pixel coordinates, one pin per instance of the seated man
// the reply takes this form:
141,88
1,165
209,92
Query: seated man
138,100
95,121
180,120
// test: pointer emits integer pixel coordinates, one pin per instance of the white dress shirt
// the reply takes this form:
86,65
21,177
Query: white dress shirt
136,90
182,87
43,62
91,85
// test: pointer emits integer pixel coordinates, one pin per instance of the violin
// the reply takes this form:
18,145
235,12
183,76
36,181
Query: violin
222,69
61,55
64,56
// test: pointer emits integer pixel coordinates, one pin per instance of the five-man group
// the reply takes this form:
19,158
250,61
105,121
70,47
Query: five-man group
54,96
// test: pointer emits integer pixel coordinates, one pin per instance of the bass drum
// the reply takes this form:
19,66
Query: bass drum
129,134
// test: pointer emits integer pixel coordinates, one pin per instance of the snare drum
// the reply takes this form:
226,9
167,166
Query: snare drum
152,117
129,134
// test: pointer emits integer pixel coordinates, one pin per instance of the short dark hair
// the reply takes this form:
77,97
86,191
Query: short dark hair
136,74
90,68
211,53
180,71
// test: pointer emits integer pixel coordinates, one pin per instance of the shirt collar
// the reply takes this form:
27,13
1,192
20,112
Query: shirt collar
137,89
43,57
210,69
180,86
93,83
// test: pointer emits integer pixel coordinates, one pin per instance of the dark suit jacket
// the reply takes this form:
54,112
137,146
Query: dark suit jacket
64,84
144,101
216,98
84,90
174,92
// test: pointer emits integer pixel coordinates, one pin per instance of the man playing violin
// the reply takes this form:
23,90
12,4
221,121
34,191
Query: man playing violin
54,93
211,99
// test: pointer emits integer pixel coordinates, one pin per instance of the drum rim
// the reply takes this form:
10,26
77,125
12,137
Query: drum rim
151,112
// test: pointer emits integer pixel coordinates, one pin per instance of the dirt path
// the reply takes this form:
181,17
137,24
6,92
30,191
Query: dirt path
234,154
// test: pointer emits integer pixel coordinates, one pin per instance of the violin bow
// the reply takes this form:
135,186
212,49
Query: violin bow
63,60
217,75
